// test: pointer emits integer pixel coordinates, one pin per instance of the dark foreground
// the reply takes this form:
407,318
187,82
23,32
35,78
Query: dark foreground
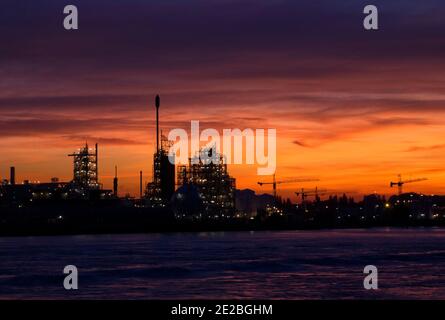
119,217
232,265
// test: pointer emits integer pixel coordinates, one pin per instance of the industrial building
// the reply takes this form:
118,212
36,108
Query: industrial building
84,185
160,191
209,180
205,187
85,167
207,171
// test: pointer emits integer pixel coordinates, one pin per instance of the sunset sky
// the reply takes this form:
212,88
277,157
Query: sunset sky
353,108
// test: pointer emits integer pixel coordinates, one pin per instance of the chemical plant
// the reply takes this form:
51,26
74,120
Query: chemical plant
84,185
207,175
198,196
160,190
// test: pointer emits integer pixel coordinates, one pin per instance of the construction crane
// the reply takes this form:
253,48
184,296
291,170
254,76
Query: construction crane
400,183
274,183
307,193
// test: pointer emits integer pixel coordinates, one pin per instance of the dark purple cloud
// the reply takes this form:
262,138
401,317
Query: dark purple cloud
295,59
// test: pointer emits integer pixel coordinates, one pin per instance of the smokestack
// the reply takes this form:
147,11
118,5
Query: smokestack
115,182
140,184
157,103
12,176
97,163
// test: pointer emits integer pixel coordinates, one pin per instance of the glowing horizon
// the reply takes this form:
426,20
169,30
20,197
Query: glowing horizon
352,108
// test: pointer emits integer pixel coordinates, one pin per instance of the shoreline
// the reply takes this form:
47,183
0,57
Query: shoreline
201,229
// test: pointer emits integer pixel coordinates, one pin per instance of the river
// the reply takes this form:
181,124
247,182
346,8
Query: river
324,264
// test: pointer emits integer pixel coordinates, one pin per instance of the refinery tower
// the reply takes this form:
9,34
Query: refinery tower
162,187
86,170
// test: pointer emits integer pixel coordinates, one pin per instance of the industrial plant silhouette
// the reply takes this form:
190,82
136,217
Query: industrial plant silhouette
203,196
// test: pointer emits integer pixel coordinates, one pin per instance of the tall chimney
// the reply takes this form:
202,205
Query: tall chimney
140,184
115,182
157,103
12,176
97,163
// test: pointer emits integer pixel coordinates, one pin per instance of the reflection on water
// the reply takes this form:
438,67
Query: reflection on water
239,265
